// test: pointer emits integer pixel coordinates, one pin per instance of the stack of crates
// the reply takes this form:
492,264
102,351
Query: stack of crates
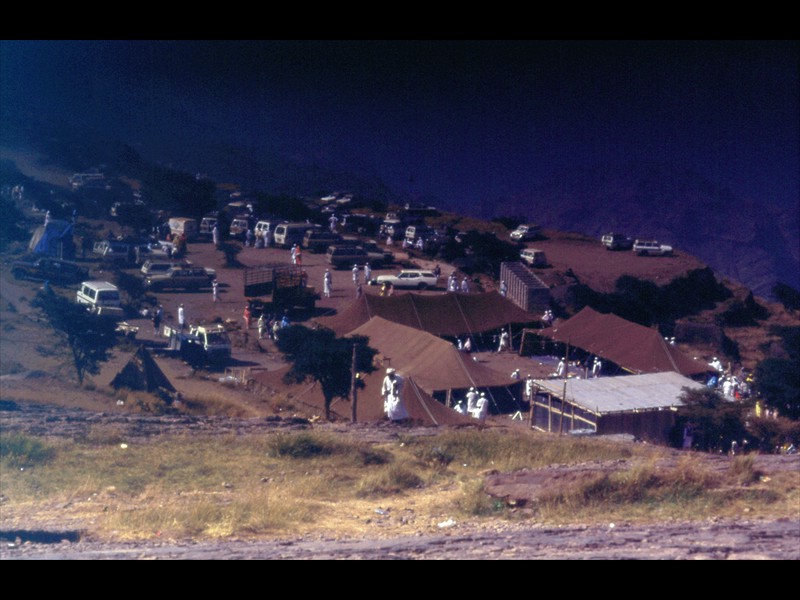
525,289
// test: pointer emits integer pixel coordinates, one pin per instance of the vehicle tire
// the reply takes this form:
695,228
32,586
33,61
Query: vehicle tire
422,286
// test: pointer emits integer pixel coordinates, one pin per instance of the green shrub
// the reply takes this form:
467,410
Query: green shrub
24,451
302,445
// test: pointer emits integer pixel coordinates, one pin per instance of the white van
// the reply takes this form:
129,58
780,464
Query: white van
101,297
266,229
185,226
287,234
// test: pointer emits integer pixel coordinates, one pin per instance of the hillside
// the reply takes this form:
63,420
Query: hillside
746,239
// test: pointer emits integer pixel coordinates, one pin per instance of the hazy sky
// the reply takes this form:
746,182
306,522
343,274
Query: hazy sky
466,119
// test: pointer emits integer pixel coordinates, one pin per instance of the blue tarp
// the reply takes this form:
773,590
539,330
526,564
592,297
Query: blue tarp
53,239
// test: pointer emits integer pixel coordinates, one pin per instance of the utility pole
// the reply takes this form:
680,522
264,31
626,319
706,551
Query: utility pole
353,387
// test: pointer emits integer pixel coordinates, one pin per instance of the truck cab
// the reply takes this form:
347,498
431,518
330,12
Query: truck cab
201,344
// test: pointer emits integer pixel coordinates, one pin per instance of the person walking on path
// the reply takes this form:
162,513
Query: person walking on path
327,281
181,318
215,290
262,326
158,314
247,316
355,275
367,273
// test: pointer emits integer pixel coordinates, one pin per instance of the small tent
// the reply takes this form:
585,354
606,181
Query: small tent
142,373
53,239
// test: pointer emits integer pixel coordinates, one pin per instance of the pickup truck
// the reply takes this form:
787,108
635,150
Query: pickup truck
47,268
200,344
277,287
180,276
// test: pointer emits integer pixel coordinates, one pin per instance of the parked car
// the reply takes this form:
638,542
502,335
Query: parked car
376,253
409,278
318,240
180,276
113,251
617,241
533,257
651,248
184,226
48,268
152,267
101,297
526,232
239,227
342,257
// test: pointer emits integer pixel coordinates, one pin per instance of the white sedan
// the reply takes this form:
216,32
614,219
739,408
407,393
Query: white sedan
419,280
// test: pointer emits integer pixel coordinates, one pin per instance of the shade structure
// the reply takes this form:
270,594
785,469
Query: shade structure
633,347
433,363
448,314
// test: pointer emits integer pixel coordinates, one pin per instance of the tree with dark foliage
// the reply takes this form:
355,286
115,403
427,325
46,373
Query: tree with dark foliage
787,295
90,337
317,354
715,421
777,380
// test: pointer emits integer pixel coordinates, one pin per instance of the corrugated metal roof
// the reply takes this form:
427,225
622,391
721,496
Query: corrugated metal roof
625,393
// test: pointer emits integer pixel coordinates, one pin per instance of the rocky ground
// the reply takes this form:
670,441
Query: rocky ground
714,539
710,540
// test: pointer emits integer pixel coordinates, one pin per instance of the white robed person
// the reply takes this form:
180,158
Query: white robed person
481,408
392,392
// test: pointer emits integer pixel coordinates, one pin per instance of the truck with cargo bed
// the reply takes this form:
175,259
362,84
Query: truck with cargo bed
278,287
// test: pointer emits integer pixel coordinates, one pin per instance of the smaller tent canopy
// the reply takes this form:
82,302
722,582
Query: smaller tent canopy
633,347
142,373
53,239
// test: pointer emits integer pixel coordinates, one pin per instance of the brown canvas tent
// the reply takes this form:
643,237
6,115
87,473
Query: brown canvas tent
633,347
449,314
433,363
422,408
142,373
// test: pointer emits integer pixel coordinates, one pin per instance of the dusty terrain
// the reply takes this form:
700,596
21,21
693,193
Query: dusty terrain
26,535
38,383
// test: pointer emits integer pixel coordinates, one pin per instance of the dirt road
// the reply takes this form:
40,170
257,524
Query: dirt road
715,540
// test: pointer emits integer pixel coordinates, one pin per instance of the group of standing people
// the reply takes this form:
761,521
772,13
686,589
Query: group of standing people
454,286
477,405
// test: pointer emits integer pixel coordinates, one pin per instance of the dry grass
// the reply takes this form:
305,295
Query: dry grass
294,483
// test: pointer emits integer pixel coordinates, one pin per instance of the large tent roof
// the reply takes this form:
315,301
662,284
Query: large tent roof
451,313
604,395
432,362
422,408
632,346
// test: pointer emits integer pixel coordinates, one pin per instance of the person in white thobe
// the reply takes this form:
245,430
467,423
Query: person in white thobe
392,391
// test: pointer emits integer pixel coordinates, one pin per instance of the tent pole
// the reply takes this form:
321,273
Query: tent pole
564,395
353,388
449,399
